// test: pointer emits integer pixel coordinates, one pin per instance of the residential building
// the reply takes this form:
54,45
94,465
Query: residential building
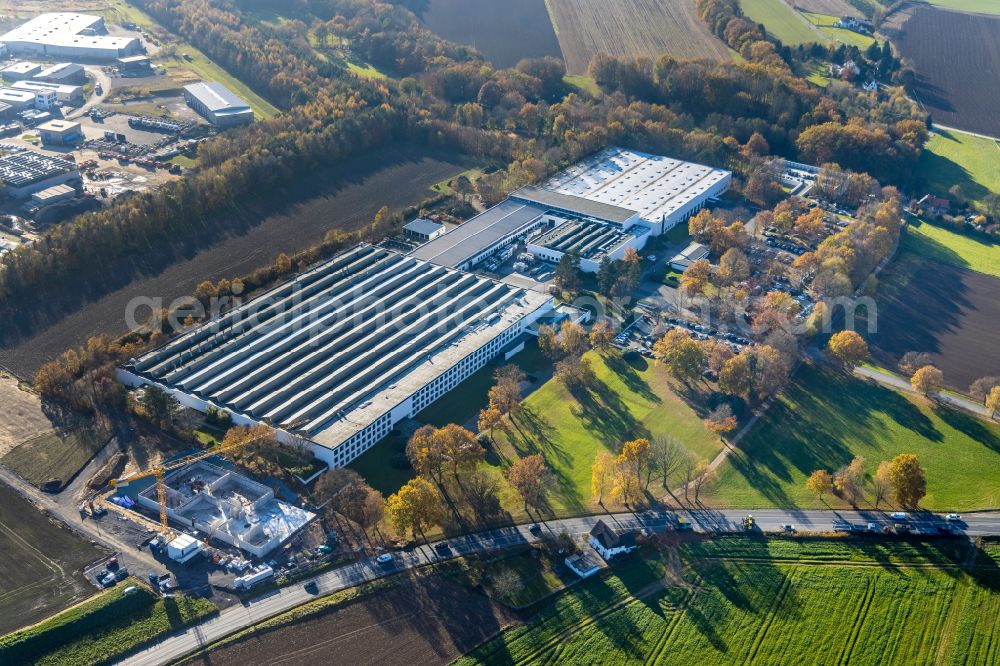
609,543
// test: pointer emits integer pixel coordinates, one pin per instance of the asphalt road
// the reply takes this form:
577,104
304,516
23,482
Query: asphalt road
260,608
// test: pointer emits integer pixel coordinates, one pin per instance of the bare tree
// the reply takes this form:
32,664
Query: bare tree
665,456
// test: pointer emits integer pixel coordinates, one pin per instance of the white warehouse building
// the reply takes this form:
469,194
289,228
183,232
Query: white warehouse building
614,200
70,35
333,358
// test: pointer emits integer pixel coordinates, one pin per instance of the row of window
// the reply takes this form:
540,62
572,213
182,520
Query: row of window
361,441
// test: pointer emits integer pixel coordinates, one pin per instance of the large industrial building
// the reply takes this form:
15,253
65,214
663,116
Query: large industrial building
333,358
612,201
65,92
69,35
218,104
28,172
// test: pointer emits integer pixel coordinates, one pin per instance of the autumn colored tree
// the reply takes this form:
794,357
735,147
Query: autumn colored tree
928,380
849,480
602,475
993,401
634,458
881,483
548,342
531,478
490,419
415,507
696,277
572,338
909,484
684,357
847,348
820,483
602,335
425,451
460,448
736,376
721,420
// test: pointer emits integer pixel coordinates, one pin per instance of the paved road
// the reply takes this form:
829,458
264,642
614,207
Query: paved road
240,617
100,78
901,384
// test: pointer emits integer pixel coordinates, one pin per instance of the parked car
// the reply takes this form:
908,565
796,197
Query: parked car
873,527
788,527
898,515
953,518
535,528
384,558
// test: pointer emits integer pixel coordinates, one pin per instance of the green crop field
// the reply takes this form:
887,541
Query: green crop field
953,248
825,419
826,23
781,21
953,158
721,607
103,629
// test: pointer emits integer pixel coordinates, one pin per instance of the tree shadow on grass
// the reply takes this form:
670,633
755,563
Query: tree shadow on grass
970,426
947,172
820,423
627,368
605,415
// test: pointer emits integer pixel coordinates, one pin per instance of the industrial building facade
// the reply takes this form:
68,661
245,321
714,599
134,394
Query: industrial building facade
68,35
28,172
218,104
333,358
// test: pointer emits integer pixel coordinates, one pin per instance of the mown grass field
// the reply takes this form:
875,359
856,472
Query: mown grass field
631,398
103,629
903,604
825,24
781,21
955,158
953,248
825,419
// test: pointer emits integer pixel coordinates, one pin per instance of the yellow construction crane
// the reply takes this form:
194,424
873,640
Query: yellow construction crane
160,471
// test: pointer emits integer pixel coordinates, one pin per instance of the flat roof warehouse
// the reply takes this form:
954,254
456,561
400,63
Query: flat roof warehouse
347,348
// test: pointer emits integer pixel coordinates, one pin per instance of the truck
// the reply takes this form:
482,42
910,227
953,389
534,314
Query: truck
254,577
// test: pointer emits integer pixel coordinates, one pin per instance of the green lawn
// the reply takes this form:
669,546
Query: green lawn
723,610
631,398
583,82
781,21
953,248
954,158
824,419
825,24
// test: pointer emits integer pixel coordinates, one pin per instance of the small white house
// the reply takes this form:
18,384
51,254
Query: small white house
583,565
692,253
609,543
423,230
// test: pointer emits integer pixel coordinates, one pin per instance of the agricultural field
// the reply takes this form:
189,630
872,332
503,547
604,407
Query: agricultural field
782,21
426,621
631,28
52,459
725,607
825,24
977,6
345,196
35,584
824,419
504,32
956,57
950,247
946,309
103,629
951,158
830,7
